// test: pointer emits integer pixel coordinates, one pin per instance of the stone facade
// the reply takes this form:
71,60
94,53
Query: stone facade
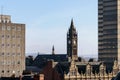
73,73
12,47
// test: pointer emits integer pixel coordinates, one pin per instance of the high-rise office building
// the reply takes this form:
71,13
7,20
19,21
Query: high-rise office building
12,47
109,30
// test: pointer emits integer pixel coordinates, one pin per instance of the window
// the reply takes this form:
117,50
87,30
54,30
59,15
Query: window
8,45
18,62
2,44
19,54
3,27
2,71
13,54
8,28
18,36
19,28
13,36
8,63
8,54
18,71
13,45
3,53
8,71
18,45
8,36
2,62
2,36
14,28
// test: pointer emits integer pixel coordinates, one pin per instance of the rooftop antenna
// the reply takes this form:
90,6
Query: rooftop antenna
1,12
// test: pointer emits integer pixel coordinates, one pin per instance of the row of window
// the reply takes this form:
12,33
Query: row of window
5,21
8,45
107,47
8,36
9,71
9,63
11,28
10,54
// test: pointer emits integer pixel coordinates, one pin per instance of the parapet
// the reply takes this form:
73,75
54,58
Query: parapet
5,18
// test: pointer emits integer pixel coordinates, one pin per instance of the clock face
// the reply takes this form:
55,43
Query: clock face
74,42
8,28
68,36
69,42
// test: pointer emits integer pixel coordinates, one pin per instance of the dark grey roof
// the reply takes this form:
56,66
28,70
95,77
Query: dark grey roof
117,77
56,57
42,59
33,69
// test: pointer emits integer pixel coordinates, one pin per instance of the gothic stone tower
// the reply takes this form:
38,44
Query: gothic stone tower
72,42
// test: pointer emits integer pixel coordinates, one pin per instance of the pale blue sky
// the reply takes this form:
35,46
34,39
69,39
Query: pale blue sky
47,22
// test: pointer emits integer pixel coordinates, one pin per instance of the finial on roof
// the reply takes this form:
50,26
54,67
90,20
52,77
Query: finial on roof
72,23
53,50
1,12
38,53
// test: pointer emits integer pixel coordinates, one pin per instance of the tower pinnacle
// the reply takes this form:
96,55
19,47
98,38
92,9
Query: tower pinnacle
72,24
53,50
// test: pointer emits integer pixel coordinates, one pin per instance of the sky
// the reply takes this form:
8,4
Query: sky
47,22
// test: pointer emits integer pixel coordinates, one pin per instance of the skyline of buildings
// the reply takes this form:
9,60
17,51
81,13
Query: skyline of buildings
68,66
50,17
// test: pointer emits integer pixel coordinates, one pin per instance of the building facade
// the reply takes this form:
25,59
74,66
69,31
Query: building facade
12,47
90,73
109,30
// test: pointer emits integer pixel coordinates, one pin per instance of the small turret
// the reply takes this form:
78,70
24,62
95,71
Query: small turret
53,50
115,67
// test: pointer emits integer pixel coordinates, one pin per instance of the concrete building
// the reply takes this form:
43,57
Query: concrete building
12,47
91,72
109,31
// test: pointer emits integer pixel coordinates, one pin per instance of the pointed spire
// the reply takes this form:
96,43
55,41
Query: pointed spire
72,23
115,64
53,50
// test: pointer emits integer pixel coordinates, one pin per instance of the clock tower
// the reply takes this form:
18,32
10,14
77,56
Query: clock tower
72,42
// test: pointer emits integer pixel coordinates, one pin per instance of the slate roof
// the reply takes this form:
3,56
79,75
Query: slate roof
41,59
117,77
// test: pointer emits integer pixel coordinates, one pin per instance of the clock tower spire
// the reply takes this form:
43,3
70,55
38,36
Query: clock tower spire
72,42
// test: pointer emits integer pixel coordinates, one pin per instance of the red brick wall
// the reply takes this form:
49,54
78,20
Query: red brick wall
50,73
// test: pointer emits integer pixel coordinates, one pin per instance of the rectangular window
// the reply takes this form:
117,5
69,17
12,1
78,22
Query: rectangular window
18,28
2,36
2,71
18,62
14,28
3,27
